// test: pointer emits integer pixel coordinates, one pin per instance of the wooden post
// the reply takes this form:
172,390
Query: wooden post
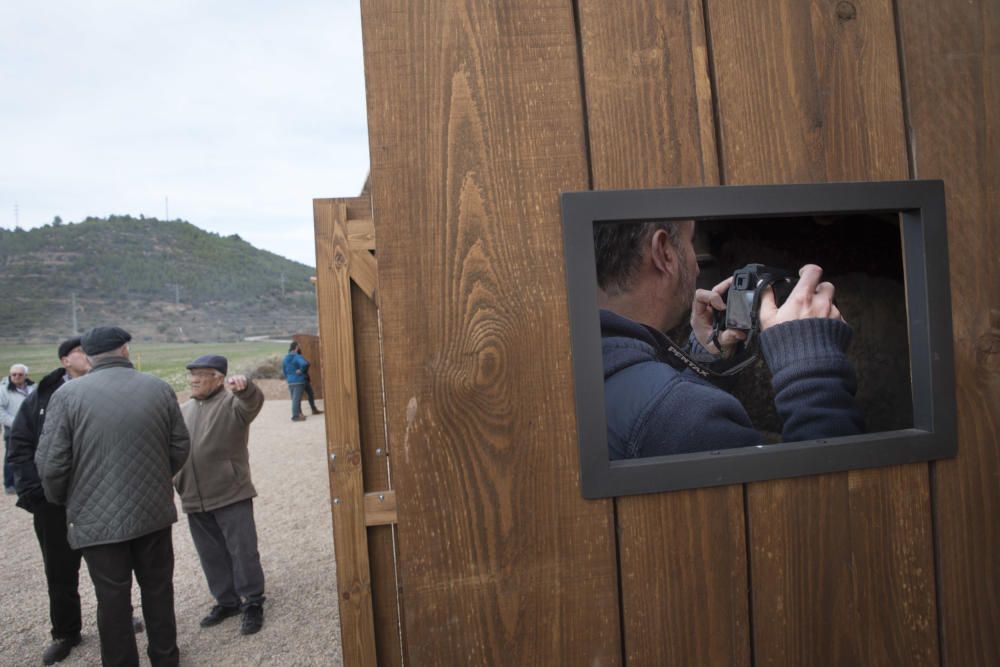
333,287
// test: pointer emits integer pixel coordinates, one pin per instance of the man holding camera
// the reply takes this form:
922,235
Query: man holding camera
646,275
217,493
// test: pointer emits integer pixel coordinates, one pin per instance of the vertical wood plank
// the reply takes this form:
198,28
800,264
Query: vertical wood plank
333,293
650,124
841,564
951,53
475,126
375,460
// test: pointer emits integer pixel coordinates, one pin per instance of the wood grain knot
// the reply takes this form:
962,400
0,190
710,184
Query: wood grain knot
846,11
988,351
339,259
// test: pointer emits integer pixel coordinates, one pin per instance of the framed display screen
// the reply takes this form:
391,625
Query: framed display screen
882,245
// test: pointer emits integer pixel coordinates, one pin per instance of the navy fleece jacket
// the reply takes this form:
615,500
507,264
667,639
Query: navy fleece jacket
654,409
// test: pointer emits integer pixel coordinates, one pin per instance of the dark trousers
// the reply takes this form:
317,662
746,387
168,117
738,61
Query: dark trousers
62,570
226,541
8,469
151,557
311,395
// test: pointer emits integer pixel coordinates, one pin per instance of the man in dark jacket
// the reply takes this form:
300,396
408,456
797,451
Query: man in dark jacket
646,275
217,493
111,444
62,563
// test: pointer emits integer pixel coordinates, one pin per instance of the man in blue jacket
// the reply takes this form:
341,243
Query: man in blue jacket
296,369
646,276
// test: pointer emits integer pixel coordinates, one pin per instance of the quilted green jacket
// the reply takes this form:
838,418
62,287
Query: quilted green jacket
111,444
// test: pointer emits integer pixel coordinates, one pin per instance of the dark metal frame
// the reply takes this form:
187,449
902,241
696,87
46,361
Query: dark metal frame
933,436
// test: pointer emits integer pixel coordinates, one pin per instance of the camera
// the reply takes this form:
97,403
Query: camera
743,298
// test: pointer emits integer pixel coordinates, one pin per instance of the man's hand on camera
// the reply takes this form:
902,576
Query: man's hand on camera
706,302
809,298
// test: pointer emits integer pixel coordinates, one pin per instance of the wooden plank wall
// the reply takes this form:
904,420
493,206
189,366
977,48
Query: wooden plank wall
650,124
952,64
476,122
841,565
479,115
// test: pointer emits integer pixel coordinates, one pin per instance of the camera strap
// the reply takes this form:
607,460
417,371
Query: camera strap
707,365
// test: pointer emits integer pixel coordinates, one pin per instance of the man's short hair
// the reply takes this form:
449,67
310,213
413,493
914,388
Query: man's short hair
618,247
19,367
294,346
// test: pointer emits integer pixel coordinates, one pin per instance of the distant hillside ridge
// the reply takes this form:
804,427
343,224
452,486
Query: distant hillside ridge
167,280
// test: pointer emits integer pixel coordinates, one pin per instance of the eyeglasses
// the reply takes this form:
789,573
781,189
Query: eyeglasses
17,375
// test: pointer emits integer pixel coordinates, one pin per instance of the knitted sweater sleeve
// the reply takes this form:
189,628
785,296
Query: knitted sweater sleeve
814,381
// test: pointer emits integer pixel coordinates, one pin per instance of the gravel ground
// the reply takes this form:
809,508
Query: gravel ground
301,621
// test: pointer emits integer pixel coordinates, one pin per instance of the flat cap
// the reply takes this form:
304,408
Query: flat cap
214,361
68,346
103,339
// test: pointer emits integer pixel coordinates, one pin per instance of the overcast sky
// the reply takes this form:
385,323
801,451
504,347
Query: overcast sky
237,113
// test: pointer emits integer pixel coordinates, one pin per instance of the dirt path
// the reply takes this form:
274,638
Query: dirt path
301,622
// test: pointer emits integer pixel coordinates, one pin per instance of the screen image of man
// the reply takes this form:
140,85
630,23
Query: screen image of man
111,443
217,492
646,277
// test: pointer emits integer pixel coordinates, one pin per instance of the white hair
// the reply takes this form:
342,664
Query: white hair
19,367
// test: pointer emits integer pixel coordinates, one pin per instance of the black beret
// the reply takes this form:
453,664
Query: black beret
214,361
103,339
68,346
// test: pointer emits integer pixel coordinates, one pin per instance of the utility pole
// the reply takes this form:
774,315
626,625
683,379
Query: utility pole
76,327
177,292
166,208
282,283
17,217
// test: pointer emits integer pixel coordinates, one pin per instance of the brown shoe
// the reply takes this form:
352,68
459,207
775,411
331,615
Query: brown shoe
299,418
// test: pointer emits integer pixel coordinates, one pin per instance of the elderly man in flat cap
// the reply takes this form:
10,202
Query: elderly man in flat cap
217,493
111,444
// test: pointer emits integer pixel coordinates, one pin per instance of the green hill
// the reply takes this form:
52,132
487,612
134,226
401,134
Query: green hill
164,281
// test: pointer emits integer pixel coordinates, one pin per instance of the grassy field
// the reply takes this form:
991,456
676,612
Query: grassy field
164,360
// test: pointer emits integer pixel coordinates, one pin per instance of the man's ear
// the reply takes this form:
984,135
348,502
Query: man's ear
663,253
